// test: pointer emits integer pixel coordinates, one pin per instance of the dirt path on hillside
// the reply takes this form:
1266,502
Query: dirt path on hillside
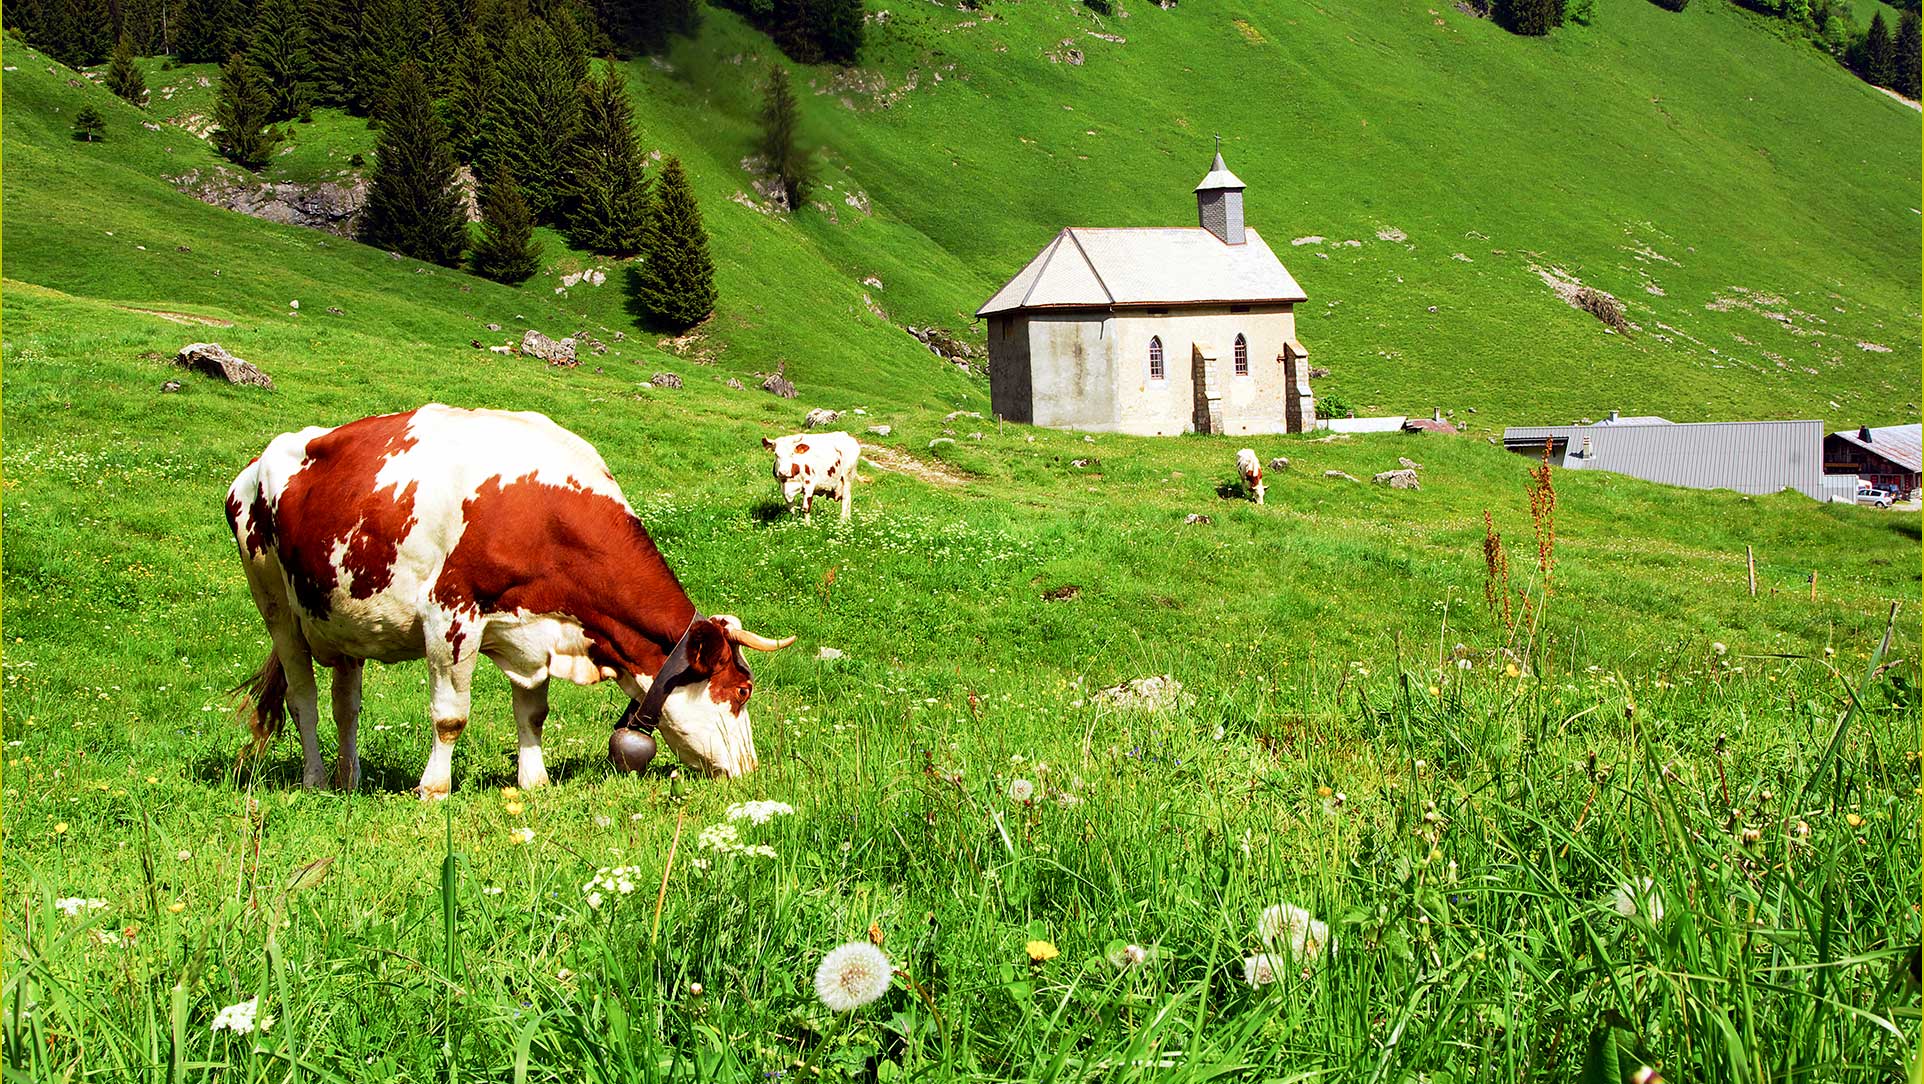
895,462
179,317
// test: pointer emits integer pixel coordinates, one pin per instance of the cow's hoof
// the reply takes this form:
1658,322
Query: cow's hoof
436,793
532,780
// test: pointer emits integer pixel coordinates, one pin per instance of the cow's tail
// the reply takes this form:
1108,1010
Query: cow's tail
263,704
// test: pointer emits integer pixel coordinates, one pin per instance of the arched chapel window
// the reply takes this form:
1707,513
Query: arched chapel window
1242,356
1155,357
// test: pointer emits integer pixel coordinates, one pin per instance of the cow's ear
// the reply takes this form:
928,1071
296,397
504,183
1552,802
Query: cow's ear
767,443
708,647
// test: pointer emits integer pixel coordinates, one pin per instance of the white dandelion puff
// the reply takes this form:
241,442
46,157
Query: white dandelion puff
73,905
1130,957
1288,926
1640,897
1021,790
1262,969
852,976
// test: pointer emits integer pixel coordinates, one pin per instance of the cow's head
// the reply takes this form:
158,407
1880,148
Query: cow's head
704,717
786,449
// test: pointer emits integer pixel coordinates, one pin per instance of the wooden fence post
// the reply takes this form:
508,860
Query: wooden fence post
1750,562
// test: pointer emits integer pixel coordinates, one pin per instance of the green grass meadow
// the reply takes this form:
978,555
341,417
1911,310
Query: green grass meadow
1646,822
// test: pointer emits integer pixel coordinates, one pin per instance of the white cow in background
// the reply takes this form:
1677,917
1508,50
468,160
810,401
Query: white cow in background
811,463
1251,469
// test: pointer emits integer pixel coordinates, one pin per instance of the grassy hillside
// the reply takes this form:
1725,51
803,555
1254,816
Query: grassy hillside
1475,825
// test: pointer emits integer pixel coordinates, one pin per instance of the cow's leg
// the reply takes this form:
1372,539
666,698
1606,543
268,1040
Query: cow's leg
346,703
848,493
808,501
1259,493
530,711
304,703
450,672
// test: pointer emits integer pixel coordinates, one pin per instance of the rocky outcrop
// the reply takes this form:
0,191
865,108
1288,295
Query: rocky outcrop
535,344
332,207
329,206
212,359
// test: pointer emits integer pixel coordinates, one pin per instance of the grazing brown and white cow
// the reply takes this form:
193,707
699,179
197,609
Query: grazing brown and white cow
1251,469
811,463
450,534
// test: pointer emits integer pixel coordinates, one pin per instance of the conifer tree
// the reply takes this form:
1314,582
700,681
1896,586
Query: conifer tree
605,190
507,251
386,43
334,43
1906,76
77,33
279,53
471,87
123,77
210,30
536,110
1879,53
413,202
839,29
241,106
88,125
675,284
781,138
1532,18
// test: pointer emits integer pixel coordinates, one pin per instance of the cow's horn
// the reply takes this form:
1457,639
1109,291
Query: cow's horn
756,640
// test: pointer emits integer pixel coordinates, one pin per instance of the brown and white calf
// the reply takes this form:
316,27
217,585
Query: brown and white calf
811,463
1251,469
450,534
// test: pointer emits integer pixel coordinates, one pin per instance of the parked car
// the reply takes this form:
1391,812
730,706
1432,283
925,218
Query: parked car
1871,495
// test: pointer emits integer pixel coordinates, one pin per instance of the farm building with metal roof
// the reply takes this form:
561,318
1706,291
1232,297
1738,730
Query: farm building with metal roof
1749,457
1885,456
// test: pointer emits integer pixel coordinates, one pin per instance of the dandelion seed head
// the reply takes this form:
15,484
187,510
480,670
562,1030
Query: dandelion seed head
1261,969
852,976
1021,790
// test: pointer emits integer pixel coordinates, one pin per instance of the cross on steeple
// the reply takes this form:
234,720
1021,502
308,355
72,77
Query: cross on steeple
1219,144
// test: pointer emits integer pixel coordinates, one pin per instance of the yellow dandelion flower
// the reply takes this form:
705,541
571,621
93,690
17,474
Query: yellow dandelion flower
60,829
1853,820
1041,950
510,793
177,907
1511,671
513,809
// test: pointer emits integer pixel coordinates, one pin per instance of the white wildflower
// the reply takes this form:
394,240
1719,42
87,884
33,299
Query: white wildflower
185,856
719,837
73,905
1631,898
1718,647
1262,969
852,976
239,1019
594,900
521,836
1021,790
1296,929
759,812
1130,957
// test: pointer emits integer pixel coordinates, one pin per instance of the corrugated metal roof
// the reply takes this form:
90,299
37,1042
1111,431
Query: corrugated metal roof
1153,265
1749,457
1901,444
1219,176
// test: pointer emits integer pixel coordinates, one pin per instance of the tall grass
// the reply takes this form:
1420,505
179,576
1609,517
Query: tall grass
1539,879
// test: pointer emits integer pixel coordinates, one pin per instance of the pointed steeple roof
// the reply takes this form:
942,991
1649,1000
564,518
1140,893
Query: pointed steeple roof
1220,177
